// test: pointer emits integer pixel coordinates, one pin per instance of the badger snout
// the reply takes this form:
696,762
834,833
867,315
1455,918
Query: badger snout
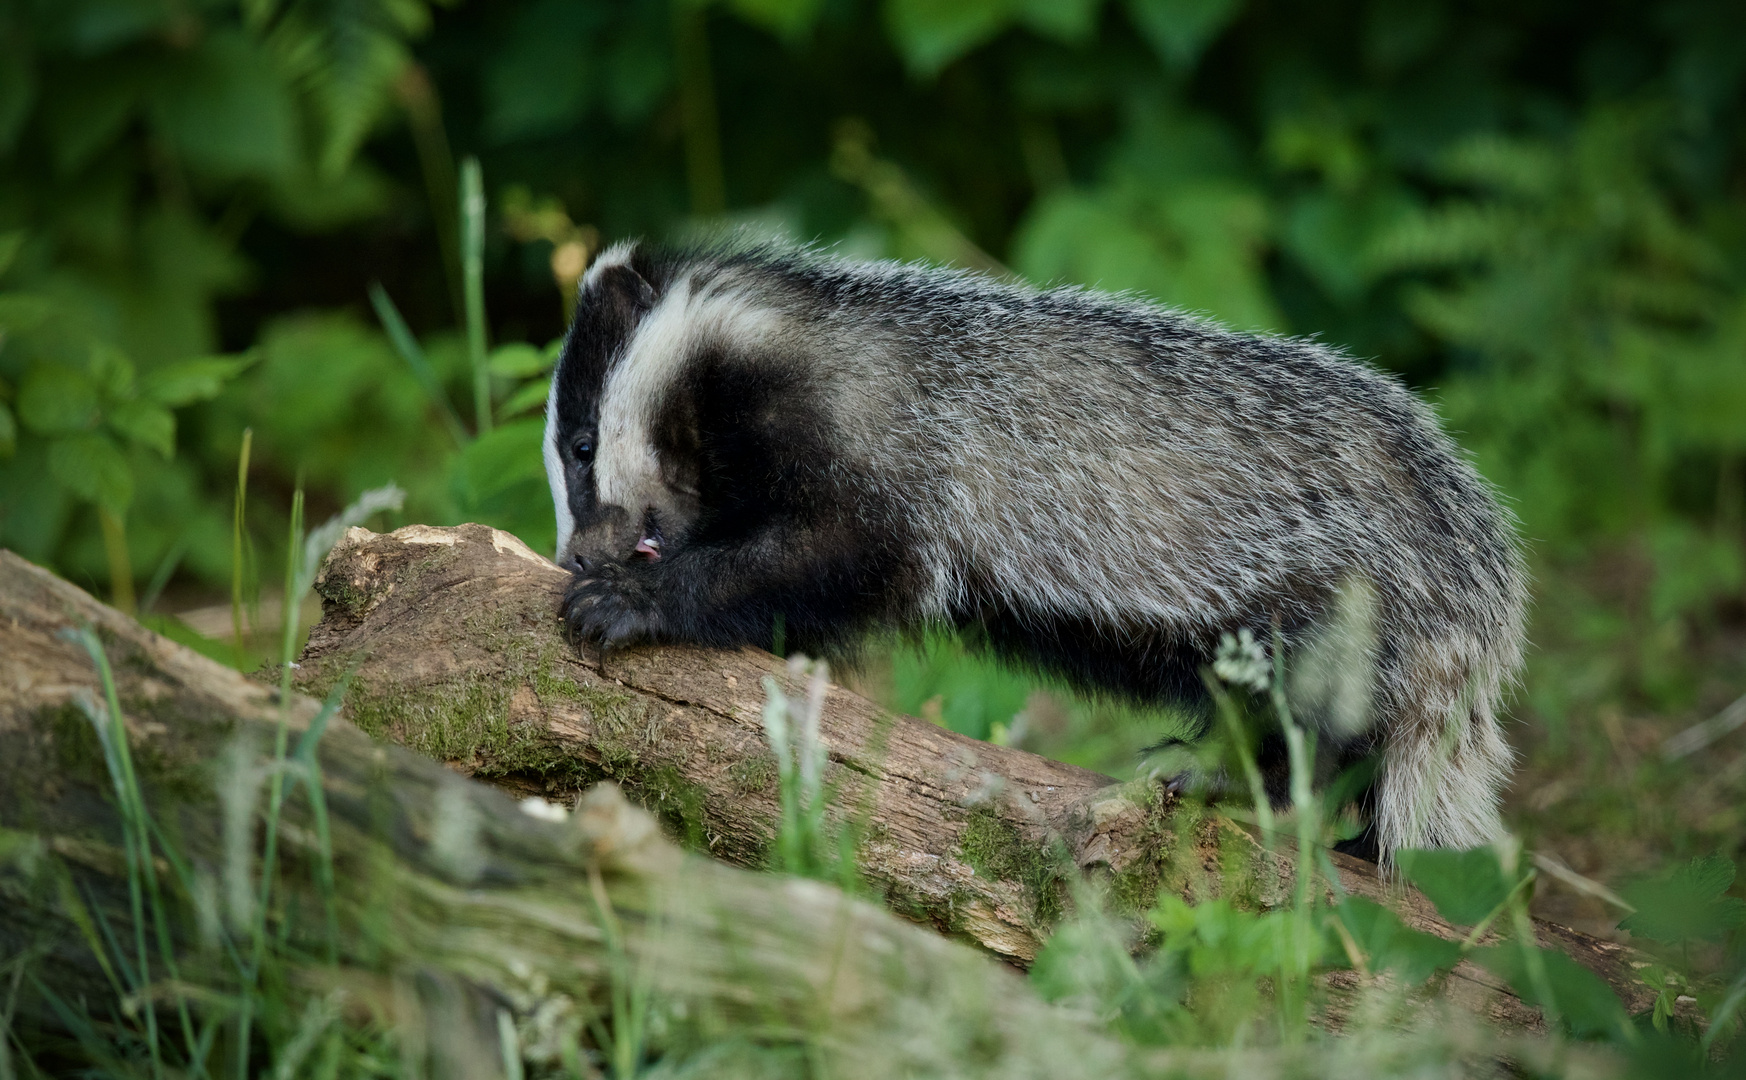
648,545
615,535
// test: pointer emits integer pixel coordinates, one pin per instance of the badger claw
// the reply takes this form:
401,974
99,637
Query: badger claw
610,606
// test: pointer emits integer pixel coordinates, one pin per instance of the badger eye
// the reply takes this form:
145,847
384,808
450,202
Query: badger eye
582,450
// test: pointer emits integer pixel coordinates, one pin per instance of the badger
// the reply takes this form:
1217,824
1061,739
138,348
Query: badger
758,440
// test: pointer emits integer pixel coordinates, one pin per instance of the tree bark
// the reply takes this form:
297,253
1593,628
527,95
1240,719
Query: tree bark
457,651
450,900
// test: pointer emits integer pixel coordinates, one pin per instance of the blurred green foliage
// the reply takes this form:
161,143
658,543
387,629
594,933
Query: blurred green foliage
1534,212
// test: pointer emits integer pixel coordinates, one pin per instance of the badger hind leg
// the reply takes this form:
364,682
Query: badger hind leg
1444,760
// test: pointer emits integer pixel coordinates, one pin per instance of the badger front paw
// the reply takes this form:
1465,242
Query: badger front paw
610,605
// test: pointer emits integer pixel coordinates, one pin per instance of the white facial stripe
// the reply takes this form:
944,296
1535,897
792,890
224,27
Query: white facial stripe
555,471
626,469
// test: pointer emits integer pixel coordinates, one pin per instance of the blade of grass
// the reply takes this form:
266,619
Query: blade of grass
78,1024
141,874
73,905
139,821
161,577
410,351
473,285
276,781
236,543
305,756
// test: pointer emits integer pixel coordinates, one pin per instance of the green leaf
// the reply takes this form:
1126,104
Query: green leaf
1466,886
17,88
500,479
22,311
229,111
84,115
1389,944
112,372
199,379
92,468
517,361
545,76
531,396
790,19
57,400
8,432
1063,20
357,53
1580,997
10,243
1195,245
930,34
146,423
1180,30
1687,904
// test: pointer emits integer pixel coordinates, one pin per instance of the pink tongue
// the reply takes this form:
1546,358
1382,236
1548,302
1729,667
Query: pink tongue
648,547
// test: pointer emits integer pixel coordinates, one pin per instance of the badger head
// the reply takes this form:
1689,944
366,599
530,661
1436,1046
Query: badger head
619,448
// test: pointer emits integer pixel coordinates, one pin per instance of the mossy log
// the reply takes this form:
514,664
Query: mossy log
451,900
454,641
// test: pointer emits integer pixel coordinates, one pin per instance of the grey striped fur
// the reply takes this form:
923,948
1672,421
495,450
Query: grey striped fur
1066,465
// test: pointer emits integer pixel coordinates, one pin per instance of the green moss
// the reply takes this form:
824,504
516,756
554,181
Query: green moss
345,596
677,801
751,775
77,753
1133,890
996,849
465,720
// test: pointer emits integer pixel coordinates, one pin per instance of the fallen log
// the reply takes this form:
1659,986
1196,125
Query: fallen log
451,900
453,641
454,916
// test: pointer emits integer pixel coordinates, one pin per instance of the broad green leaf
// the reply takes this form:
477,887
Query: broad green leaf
545,76
83,116
1180,30
146,423
930,34
17,88
500,479
8,432
1466,886
1331,236
112,372
22,311
1580,997
788,18
1063,20
1688,904
198,379
531,396
57,400
229,110
1195,245
9,244
92,468
517,360
1388,943
507,456
96,27
354,90
937,676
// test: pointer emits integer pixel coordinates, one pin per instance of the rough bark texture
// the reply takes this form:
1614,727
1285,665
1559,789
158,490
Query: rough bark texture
452,900
457,652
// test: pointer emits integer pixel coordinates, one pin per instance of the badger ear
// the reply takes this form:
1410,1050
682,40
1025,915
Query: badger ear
621,296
